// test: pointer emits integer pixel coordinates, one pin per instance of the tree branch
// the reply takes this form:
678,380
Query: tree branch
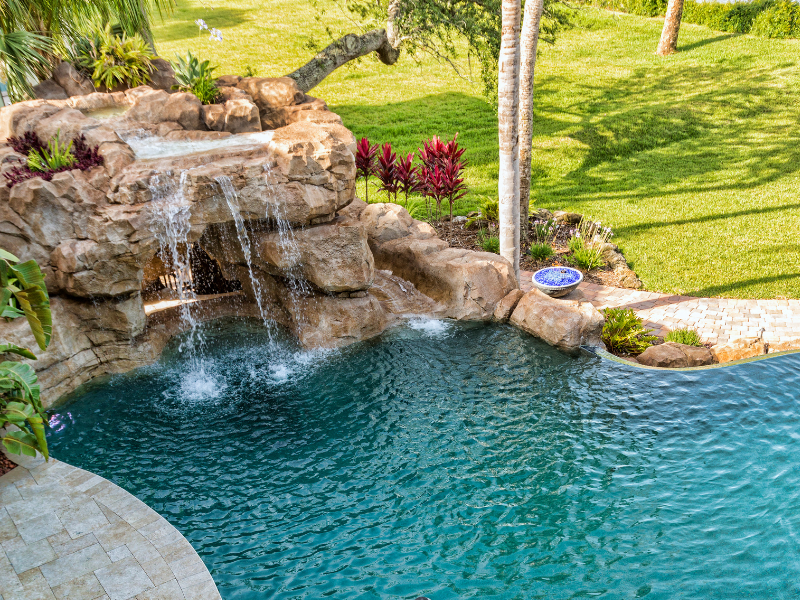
343,50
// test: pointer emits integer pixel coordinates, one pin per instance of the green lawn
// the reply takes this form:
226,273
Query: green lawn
694,160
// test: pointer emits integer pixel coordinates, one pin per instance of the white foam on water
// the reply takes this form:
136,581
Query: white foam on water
200,385
429,327
148,146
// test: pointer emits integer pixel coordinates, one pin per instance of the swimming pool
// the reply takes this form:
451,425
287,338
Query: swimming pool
455,461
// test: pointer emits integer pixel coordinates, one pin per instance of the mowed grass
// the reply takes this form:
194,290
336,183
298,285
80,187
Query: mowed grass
694,160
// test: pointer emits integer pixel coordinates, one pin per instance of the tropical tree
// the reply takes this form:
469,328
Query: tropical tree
529,41
508,129
23,293
672,25
35,33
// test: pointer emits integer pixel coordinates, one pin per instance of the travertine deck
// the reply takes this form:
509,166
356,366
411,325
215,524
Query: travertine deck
717,320
66,533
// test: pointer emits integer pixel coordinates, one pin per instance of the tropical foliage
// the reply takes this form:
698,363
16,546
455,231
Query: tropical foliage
23,293
46,160
112,58
623,332
35,33
196,77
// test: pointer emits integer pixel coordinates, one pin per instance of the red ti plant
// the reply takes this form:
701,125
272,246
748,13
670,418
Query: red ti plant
441,174
407,176
365,162
387,172
444,183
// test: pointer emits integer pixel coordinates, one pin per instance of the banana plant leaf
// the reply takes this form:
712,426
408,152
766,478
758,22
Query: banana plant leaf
36,306
25,379
14,349
20,442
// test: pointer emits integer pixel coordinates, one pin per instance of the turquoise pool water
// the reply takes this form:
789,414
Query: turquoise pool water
456,461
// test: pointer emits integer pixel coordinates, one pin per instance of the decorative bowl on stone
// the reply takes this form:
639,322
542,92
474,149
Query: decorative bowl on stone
557,281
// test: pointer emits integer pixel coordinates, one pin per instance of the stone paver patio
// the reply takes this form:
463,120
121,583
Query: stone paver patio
66,533
717,320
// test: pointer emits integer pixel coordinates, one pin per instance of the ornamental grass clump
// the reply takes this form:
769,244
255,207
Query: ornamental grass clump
624,333
488,241
688,337
586,244
44,161
542,233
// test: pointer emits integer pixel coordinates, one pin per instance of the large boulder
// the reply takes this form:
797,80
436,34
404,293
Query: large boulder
73,82
671,355
565,324
739,349
272,95
469,284
334,257
506,306
49,90
163,76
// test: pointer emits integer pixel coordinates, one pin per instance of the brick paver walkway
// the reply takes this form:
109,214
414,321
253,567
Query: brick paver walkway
69,534
717,320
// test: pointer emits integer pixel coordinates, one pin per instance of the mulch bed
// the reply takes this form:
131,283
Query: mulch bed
5,465
458,237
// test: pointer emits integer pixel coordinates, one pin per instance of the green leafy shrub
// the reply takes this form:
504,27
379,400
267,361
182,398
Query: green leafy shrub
111,58
575,243
684,336
780,20
623,332
488,241
196,77
767,18
52,157
540,251
23,293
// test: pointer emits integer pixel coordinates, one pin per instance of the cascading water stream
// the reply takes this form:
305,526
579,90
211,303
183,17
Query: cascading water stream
170,213
232,198
290,250
170,221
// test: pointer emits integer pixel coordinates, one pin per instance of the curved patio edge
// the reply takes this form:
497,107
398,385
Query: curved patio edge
608,356
68,533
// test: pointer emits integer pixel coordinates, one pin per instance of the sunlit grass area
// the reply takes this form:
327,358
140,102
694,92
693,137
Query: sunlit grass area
694,160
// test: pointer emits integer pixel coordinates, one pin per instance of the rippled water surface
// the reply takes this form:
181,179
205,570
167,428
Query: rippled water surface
456,461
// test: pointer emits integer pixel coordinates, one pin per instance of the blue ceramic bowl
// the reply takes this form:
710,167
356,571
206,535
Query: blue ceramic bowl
557,281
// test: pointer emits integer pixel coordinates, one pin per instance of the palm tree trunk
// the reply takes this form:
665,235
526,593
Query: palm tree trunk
672,25
528,43
508,130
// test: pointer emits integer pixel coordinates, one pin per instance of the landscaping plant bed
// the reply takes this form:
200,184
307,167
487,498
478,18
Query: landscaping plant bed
457,236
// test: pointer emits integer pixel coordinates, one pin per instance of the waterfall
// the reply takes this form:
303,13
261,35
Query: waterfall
290,249
232,198
169,214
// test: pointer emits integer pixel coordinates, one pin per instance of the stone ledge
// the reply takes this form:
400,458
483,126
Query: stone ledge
68,533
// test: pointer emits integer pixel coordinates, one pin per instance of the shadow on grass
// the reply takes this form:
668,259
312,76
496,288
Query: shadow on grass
716,290
705,113
181,25
705,218
707,41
